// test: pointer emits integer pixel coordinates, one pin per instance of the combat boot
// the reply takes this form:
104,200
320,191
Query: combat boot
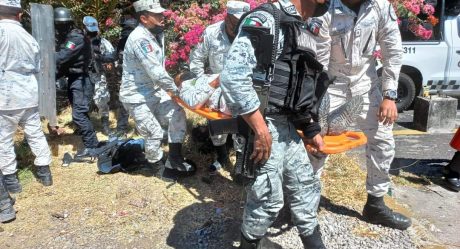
12,183
257,244
176,164
376,212
7,212
85,155
452,178
105,125
313,241
451,173
44,175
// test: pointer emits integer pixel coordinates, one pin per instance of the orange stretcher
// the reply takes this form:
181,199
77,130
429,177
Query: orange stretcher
341,143
333,144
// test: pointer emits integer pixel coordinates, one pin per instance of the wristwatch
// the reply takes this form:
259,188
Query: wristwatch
390,94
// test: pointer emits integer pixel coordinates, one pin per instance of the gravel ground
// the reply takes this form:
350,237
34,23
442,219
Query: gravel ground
343,231
341,228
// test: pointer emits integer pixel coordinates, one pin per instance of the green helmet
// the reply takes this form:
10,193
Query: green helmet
62,14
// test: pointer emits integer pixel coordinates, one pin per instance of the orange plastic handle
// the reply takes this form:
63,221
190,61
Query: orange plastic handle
341,143
204,111
333,144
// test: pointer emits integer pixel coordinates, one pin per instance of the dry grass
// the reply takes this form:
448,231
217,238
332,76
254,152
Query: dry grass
86,209
344,182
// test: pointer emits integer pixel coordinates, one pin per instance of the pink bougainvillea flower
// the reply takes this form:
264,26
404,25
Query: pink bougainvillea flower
168,13
377,54
109,22
415,9
427,34
428,9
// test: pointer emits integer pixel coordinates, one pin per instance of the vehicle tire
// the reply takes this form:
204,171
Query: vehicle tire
406,92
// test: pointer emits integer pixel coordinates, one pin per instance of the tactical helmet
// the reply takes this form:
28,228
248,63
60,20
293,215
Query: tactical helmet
62,14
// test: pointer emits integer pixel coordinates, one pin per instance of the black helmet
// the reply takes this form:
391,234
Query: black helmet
62,14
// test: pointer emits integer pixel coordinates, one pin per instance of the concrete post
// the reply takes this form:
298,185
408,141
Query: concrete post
435,114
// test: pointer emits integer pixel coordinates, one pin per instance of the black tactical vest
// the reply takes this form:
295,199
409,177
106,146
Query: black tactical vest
80,63
293,89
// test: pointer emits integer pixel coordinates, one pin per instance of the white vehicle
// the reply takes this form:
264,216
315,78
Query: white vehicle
434,63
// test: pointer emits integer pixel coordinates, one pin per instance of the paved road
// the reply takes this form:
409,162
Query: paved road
425,155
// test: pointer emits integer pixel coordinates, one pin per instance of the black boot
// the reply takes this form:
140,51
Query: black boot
7,212
122,122
376,212
257,244
452,172
44,175
177,163
452,179
105,125
85,155
12,183
314,240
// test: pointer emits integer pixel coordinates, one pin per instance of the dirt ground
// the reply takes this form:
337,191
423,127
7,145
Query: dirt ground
85,209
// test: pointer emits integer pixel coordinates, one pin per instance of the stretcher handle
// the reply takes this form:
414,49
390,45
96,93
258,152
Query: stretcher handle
341,143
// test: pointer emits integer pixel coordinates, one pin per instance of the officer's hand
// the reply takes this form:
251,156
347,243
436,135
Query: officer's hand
262,138
316,144
262,146
215,83
388,112
108,66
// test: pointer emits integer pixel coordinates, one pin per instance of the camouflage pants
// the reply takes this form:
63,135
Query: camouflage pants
152,119
288,171
380,147
101,94
29,120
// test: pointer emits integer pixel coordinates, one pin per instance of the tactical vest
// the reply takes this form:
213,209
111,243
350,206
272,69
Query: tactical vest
293,85
80,63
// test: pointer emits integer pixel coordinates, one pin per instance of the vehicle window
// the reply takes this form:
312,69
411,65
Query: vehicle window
453,7
405,26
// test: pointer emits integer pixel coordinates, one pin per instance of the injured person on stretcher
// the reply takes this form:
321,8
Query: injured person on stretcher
203,91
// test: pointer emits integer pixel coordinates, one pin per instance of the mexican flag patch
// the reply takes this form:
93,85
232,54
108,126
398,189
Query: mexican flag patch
251,22
146,47
70,45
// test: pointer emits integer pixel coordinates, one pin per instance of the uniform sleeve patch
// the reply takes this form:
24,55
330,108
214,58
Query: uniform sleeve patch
291,10
70,45
252,22
314,25
146,47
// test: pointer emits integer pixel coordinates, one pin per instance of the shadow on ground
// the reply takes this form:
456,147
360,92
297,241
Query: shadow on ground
421,171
